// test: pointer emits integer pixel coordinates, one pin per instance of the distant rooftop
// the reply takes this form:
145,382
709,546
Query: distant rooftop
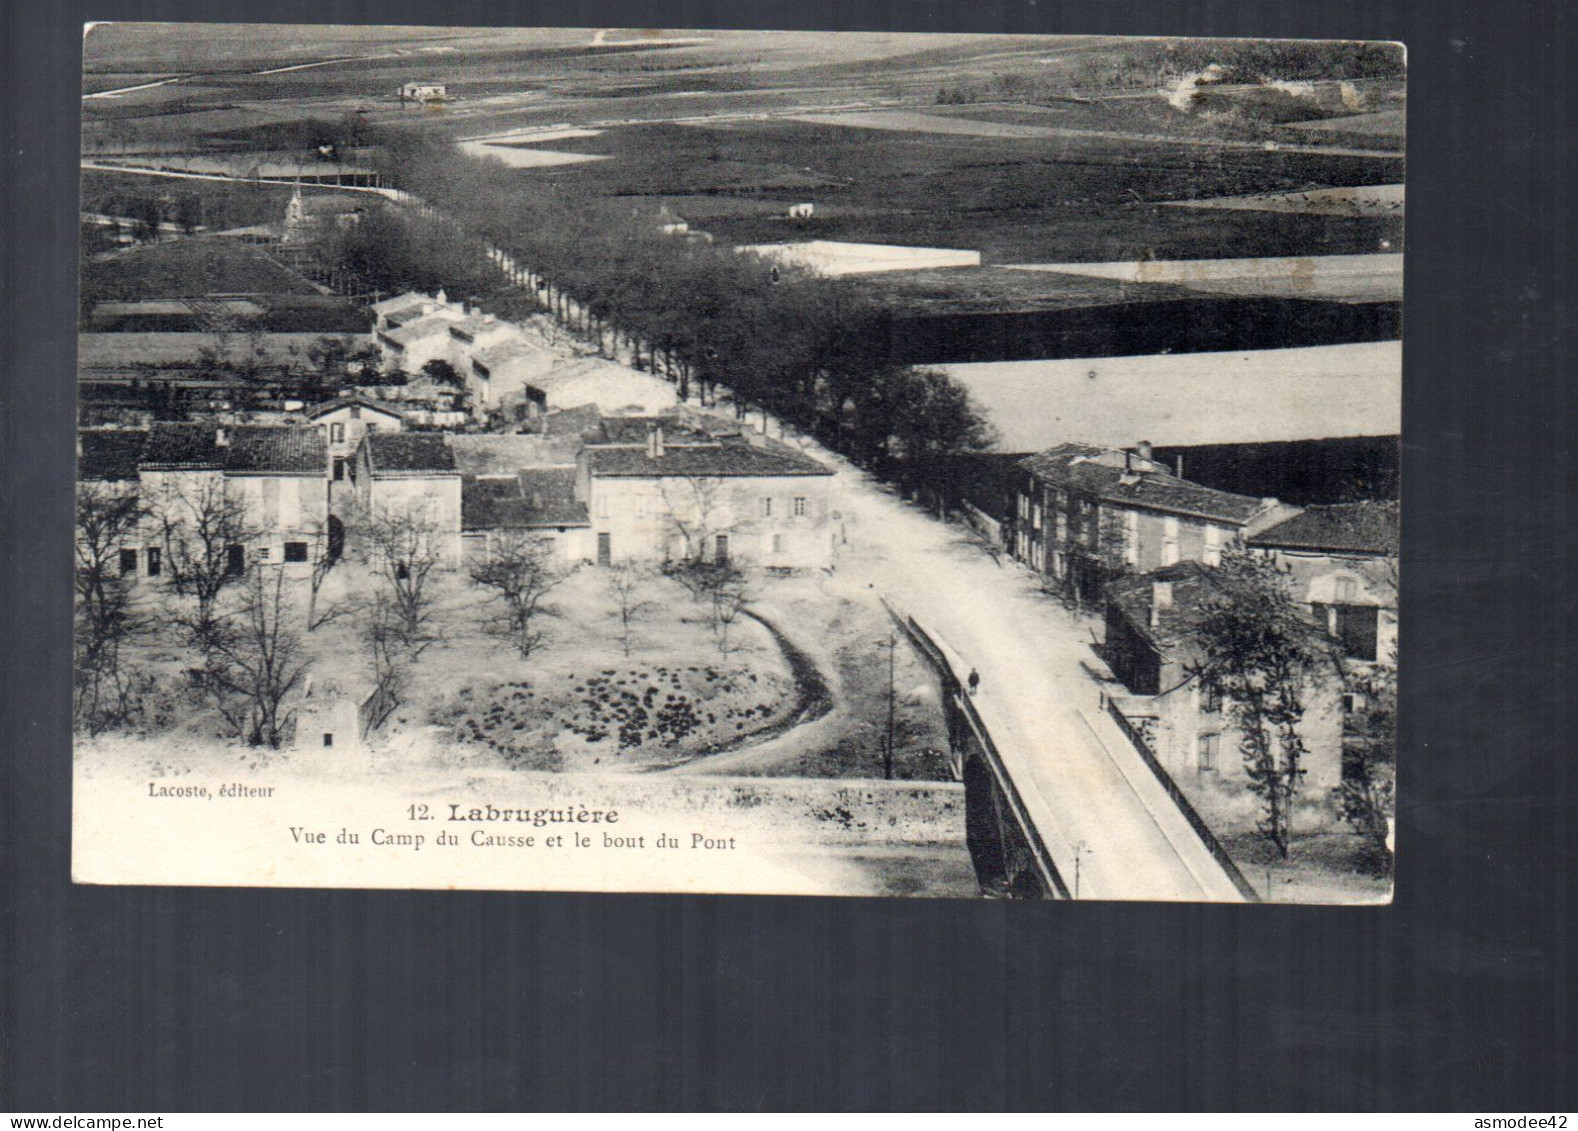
532,498
409,453
1144,485
725,459
109,454
1354,528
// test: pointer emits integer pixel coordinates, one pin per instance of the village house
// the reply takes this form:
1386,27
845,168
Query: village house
509,371
278,475
409,477
1084,514
521,484
681,492
1150,648
411,345
423,91
344,421
392,313
1342,561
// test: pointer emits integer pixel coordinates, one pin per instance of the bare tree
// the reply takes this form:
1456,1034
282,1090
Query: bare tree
253,660
105,614
326,554
697,515
1260,654
521,571
626,585
390,655
728,595
404,548
204,530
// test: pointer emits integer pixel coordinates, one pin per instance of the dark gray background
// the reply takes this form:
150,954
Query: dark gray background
140,999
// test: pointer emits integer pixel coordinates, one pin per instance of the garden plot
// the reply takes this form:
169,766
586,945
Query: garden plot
614,717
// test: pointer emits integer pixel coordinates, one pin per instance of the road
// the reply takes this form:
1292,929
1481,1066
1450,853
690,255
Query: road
1086,788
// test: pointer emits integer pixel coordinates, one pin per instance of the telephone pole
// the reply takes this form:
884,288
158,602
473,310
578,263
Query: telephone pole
892,645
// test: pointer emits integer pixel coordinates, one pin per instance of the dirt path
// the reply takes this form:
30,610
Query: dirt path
784,739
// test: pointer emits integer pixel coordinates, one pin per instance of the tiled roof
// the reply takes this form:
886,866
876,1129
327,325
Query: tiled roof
474,324
631,430
1356,528
400,302
109,454
485,454
276,451
509,351
327,407
416,331
533,498
1094,471
1192,584
181,447
582,420
409,453
726,459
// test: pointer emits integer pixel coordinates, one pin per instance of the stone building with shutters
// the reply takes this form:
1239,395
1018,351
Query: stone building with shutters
1343,563
1085,514
1149,647
658,490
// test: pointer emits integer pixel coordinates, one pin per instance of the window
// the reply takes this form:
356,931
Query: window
1169,540
339,468
778,543
1205,752
602,506
1213,546
336,433
263,553
295,551
370,426
128,562
328,738
356,412
721,555
1062,526
1131,537
1347,590
402,571
799,506
154,563
1210,702
235,559
767,507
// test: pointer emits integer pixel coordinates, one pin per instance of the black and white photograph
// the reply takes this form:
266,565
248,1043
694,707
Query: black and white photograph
800,463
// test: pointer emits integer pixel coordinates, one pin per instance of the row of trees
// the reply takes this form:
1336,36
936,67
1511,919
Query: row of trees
810,350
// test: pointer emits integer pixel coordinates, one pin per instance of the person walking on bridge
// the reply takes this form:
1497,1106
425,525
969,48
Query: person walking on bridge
975,681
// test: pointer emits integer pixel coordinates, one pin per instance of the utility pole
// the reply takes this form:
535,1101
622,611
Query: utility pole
892,645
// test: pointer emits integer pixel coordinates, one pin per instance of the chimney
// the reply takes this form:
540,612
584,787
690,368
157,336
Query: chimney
1161,598
655,441
1144,449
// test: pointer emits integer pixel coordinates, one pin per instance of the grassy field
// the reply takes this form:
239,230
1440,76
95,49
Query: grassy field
871,148
580,704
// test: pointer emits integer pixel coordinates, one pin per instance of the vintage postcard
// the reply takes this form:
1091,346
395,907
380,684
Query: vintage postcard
753,462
